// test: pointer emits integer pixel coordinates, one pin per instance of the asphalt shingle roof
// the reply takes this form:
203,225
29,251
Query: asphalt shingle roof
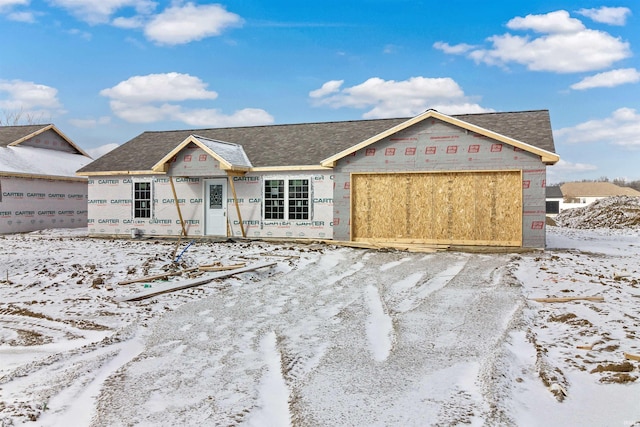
9,134
307,143
553,192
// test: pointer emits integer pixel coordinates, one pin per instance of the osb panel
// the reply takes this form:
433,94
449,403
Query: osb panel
452,207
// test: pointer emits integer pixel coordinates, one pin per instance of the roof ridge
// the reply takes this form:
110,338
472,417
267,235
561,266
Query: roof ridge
338,121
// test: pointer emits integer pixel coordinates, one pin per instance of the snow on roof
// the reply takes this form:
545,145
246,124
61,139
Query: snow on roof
36,161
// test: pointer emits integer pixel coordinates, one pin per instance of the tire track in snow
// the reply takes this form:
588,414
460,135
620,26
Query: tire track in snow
273,393
379,327
83,408
434,284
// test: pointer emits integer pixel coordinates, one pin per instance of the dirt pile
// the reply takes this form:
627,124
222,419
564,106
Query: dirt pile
612,212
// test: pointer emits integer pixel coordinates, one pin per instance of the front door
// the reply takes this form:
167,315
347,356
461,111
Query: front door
215,216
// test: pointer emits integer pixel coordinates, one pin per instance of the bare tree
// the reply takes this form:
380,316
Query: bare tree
21,117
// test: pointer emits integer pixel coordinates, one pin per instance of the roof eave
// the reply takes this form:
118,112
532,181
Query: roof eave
41,176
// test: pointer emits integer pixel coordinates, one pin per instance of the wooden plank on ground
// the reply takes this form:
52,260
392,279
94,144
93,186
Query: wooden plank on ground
157,276
567,299
220,267
630,356
176,286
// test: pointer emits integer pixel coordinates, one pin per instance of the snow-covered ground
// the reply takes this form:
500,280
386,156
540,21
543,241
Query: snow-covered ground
329,336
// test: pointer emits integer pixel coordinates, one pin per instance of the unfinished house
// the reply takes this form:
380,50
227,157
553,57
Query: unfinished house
38,185
476,179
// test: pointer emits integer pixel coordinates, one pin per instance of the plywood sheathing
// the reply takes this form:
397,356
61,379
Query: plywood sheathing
482,208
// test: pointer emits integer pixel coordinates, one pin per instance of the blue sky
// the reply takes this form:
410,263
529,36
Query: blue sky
104,71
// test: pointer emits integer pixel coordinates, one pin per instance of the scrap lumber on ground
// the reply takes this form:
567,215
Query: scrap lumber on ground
220,267
176,286
157,276
585,347
567,299
630,356
208,267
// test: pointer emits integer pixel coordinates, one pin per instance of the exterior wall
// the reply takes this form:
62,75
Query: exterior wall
433,145
28,204
249,189
111,211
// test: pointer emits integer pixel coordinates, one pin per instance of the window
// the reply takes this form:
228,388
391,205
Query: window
274,199
292,204
298,199
553,206
142,200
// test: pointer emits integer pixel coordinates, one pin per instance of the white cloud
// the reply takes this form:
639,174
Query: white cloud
8,4
609,79
607,15
159,87
457,49
28,97
27,17
214,117
621,128
152,98
186,23
100,11
390,98
553,22
328,88
128,23
102,150
90,123
565,46
82,34
565,171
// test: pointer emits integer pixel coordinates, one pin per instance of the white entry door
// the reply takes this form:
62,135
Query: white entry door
215,215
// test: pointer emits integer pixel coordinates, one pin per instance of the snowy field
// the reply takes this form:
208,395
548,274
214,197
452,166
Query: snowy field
328,337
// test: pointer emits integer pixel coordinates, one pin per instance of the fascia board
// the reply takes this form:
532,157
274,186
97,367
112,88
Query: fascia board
46,177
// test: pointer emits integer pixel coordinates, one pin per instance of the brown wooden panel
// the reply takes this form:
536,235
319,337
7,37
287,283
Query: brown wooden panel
482,208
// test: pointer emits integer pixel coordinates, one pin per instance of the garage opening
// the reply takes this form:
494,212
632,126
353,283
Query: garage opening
464,208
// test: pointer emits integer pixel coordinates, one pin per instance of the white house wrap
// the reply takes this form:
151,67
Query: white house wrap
38,185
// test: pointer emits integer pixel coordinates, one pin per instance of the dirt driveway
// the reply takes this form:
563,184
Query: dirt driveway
329,336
